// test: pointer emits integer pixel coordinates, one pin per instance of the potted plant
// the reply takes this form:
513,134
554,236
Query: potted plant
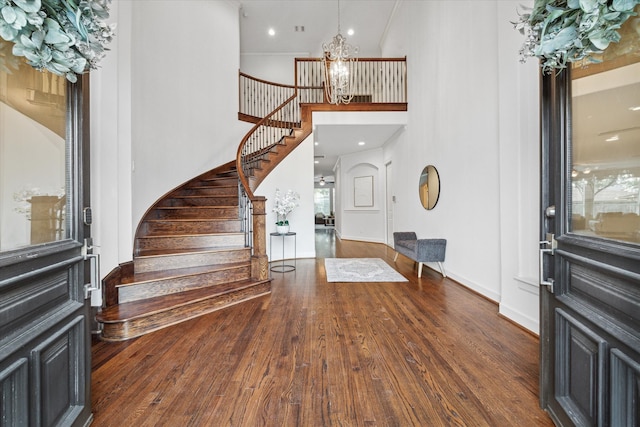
559,32
283,206
65,37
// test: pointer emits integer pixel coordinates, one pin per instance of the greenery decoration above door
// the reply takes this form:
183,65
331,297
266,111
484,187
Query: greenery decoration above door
564,31
66,37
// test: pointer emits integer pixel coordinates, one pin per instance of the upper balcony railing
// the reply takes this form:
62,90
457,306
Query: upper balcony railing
376,81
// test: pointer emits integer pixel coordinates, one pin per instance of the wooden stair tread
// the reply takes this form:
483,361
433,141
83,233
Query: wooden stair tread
218,218
221,233
202,196
197,207
140,278
135,309
215,180
206,187
219,175
151,253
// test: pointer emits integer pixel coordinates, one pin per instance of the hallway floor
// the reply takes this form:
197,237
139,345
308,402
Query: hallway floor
427,352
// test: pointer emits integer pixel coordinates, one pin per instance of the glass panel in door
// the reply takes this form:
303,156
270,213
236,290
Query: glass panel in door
605,175
32,154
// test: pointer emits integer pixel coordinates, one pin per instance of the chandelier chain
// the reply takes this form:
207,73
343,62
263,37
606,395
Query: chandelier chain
339,32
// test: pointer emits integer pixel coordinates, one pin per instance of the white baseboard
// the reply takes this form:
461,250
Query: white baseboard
493,296
362,239
522,320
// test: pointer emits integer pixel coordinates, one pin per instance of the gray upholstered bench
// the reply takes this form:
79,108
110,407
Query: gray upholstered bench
419,250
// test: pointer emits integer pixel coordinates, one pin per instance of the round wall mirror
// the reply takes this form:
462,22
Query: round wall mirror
429,187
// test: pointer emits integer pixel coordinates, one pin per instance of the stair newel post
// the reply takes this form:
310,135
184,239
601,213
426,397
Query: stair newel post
259,259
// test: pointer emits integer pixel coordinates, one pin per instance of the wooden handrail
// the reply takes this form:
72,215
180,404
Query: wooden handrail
248,76
402,59
240,155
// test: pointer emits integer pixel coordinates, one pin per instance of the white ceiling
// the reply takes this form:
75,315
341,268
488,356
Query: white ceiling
367,18
606,129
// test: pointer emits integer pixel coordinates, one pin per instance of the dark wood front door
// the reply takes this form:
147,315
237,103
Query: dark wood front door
590,307
44,328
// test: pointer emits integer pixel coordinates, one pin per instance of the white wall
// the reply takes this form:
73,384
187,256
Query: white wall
475,122
519,175
276,68
111,166
184,114
452,125
293,173
164,110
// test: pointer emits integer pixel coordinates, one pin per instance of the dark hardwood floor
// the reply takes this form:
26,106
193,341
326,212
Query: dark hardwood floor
427,352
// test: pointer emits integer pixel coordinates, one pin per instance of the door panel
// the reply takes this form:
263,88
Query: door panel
57,374
44,316
625,393
581,357
590,316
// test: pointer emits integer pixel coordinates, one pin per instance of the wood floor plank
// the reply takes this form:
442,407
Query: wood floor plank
423,352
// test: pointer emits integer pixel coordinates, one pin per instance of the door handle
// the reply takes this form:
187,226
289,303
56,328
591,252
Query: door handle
546,250
95,284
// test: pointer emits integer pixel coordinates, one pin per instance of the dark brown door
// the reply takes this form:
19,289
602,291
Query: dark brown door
590,305
44,329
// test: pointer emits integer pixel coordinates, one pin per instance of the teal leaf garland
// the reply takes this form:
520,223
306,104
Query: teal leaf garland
65,37
559,32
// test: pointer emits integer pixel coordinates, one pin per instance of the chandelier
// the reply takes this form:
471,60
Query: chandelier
339,67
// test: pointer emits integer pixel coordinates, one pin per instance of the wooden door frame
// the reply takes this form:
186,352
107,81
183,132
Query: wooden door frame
554,106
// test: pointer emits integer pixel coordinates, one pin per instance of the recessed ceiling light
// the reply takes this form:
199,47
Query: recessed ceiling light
613,138
636,108
361,143
350,32
272,32
316,143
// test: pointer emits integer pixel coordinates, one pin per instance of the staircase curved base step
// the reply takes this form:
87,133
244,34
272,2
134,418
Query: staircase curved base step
130,320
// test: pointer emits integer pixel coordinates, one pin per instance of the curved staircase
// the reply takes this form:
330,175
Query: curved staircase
190,258
202,246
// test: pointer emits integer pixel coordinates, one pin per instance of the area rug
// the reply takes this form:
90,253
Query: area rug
360,270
